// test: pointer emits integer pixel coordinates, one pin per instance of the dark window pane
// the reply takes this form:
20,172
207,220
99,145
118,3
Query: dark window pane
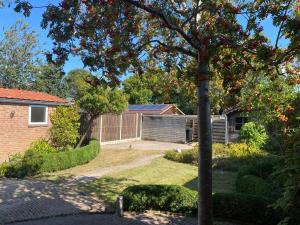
38,114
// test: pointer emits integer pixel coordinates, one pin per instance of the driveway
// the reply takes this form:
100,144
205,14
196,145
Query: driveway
147,145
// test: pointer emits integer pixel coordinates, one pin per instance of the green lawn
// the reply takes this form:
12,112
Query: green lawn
160,171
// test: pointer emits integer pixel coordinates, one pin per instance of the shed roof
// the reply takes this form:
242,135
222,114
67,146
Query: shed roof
16,95
152,108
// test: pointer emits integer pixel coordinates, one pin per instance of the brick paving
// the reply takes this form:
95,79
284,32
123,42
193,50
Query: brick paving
31,199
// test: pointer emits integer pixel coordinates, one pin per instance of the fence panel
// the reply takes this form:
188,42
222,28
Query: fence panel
110,128
129,126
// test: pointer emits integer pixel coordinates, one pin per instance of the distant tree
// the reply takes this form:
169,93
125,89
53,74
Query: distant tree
50,79
77,81
156,86
18,57
100,100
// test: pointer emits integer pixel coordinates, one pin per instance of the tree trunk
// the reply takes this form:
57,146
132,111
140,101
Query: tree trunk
83,137
205,148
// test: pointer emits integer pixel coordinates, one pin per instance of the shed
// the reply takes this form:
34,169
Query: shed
235,120
155,109
24,117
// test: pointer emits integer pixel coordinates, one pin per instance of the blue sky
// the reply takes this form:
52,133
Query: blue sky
9,17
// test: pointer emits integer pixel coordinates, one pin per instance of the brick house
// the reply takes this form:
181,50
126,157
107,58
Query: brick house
24,117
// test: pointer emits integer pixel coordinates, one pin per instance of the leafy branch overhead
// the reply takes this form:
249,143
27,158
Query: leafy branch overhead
113,36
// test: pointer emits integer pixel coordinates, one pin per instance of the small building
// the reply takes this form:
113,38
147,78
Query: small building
155,109
24,117
235,120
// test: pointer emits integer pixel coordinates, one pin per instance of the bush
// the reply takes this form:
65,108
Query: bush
65,125
170,198
186,156
243,150
244,208
67,159
253,134
34,163
173,198
42,147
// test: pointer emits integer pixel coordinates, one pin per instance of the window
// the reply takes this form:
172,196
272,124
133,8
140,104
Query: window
239,122
38,115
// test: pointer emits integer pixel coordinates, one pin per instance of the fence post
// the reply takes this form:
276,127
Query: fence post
121,124
226,130
136,125
141,124
100,130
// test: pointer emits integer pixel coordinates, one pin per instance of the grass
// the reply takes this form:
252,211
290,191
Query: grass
160,171
107,158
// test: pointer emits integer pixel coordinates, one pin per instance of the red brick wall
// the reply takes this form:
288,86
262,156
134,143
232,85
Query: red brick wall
15,132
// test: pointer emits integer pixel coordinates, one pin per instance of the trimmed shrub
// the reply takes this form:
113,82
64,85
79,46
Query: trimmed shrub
65,125
170,198
186,156
245,208
253,134
33,163
173,198
67,159
42,147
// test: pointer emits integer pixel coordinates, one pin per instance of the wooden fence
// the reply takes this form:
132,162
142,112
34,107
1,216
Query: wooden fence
111,128
181,129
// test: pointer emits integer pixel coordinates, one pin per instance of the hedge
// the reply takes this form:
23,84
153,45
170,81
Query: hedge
173,198
35,163
170,198
67,159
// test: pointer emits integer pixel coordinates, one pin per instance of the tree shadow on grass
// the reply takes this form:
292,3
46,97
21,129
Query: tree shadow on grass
223,181
107,188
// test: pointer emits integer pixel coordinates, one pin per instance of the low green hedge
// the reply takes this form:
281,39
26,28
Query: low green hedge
67,159
173,198
186,156
33,163
170,198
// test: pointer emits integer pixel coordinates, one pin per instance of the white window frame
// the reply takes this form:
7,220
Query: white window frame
37,123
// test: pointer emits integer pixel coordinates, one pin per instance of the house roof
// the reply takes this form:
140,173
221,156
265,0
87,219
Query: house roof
24,96
152,108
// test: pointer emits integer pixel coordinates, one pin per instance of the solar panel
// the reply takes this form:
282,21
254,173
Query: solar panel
147,107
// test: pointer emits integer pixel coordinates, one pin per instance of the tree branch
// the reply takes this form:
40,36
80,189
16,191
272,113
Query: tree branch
165,20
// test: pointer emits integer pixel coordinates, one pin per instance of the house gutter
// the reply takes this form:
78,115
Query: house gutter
31,102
